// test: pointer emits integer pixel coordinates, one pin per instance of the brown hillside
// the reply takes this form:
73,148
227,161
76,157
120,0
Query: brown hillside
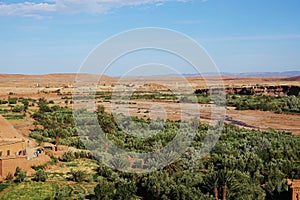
46,79
293,78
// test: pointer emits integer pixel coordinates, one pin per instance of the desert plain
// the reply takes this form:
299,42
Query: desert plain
60,89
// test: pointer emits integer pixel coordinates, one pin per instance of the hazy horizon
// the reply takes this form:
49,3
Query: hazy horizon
264,73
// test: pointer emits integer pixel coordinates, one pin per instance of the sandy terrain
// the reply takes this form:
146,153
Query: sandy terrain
36,86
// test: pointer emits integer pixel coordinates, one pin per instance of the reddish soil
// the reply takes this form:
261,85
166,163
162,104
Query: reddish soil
36,86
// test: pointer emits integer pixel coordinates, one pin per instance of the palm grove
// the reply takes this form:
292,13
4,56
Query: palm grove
244,163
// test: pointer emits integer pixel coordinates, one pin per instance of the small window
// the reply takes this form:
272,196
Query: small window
8,152
0,153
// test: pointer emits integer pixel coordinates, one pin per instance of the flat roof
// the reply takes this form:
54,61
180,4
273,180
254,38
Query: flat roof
7,131
8,142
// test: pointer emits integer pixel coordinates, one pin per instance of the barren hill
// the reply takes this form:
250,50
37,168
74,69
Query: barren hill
45,79
293,78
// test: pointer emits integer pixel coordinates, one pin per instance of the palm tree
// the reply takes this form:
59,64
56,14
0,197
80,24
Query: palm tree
214,179
120,162
211,182
225,177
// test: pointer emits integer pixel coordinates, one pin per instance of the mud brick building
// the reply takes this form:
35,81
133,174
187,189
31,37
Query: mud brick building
16,152
12,155
295,187
12,148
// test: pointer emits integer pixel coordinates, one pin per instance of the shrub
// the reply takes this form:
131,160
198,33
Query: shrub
53,161
104,190
77,154
77,175
125,189
12,100
64,193
9,177
40,176
81,196
18,108
20,175
39,137
38,167
68,156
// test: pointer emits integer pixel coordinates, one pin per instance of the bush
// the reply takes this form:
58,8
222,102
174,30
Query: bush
77,175
39,167
64,193
125,189
18,109
9,177
68,156
20,175
39,137
104,190
53,161
40,176
12,100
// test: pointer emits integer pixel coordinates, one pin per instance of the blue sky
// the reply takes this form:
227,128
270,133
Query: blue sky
55,36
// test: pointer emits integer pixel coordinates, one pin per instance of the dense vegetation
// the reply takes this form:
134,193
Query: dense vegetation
56,125
286,104
244,164
278,104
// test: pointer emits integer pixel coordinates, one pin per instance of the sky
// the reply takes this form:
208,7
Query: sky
56,36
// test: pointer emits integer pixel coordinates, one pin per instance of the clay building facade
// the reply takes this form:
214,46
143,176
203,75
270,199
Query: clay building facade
12,155
11,149
295,187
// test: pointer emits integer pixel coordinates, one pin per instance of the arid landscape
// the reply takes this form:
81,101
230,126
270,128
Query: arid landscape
42,149
59,87
149,100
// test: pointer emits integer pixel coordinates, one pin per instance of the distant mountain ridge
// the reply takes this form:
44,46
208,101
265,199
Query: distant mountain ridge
236,74
54,76
284,73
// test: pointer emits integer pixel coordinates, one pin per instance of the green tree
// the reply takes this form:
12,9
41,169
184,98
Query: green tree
64,193
20,175
40,176
125,189
211,182
104,190
68,156
120,162
77,175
